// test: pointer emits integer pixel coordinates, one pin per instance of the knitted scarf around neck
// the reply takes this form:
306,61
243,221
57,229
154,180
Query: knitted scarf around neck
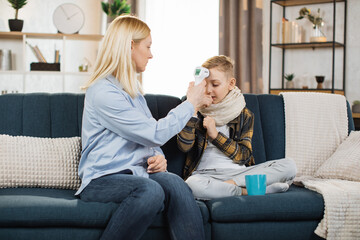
226,110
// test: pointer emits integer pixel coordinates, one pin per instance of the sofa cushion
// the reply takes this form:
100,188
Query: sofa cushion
276,230
204,211
38,207
36,115
351,125
344,163
257,140
64,115
273,125
41,114
39,162
11,109
294,205
80,107
53,233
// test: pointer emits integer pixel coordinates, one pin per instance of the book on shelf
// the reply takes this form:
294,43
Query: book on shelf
40,54
57,56
37,53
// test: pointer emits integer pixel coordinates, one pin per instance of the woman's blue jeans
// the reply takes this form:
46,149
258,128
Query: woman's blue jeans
141,199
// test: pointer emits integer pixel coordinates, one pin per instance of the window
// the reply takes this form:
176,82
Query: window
184,33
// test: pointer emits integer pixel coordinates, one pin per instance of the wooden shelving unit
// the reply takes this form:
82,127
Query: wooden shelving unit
289,3
276,91
331,45
19,39
21,35
307,45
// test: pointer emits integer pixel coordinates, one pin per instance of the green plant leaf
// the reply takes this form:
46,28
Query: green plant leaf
289,76
117,4
114,8
17,4
105,7
117,8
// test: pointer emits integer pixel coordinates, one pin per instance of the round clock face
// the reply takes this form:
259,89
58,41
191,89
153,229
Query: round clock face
68,18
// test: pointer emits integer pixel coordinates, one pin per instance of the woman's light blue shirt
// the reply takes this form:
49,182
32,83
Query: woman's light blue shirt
119,132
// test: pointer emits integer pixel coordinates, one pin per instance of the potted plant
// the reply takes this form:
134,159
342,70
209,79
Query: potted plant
16,24
356,106
289,80
115,8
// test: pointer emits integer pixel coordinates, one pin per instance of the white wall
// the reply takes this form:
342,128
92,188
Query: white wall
309,64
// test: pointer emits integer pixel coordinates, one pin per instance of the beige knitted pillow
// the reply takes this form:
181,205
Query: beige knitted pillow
39,162
345,162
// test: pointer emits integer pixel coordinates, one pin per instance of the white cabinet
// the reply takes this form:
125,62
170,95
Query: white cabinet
75,49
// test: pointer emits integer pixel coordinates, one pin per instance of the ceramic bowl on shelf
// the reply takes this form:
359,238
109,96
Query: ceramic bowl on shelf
320,79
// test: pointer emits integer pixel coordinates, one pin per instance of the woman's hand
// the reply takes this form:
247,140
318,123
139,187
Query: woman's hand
209,124
156,164
197,97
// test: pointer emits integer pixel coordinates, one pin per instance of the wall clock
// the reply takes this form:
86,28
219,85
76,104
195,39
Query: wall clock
68,18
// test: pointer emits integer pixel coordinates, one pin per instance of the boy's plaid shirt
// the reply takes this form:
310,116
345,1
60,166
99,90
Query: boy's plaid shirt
193,140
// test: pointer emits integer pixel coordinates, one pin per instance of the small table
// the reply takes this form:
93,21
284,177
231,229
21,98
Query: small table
356,117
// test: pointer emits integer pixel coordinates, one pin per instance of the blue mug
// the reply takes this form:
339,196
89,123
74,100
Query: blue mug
255,184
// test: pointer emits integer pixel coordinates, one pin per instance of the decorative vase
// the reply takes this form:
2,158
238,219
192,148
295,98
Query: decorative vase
320,80
16,25
289,84
356,108
317,35
5,60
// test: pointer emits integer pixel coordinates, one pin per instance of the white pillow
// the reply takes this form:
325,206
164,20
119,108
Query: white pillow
345,162
39,162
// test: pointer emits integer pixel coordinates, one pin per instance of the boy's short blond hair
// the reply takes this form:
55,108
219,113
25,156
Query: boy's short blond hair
222,63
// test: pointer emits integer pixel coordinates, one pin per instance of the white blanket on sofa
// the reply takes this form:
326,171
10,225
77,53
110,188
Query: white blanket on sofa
342,207
316,124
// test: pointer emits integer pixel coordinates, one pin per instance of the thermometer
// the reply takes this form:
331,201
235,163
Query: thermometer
200,73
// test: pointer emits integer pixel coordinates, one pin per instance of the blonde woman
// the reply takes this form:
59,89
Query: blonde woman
121,159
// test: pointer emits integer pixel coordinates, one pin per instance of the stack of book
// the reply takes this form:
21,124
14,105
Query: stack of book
42,64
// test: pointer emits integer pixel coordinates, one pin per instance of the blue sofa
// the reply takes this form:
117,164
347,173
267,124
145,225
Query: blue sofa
39,213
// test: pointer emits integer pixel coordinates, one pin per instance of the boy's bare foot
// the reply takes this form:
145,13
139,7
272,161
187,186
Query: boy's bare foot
230,181
243,190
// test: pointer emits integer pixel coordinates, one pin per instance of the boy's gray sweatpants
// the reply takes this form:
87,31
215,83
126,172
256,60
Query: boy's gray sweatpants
208,184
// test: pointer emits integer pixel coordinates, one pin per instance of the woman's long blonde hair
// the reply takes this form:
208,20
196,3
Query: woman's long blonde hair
114,55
